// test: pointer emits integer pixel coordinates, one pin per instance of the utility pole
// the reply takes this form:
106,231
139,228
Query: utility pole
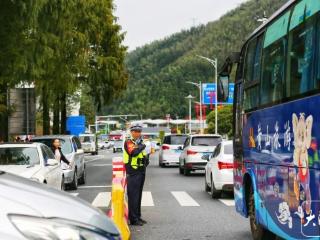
190,97
214,63
200,95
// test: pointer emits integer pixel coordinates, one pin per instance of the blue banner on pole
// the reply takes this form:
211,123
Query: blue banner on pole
209,91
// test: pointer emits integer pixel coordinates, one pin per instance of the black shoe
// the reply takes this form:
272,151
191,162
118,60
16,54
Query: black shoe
136,223
143,221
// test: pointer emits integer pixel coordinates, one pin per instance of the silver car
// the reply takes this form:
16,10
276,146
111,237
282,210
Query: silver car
30,210
32,160
71,148
193,150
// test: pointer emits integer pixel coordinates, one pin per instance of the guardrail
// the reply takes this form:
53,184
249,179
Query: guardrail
119,205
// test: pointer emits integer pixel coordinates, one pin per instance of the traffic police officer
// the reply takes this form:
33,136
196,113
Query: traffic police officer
136,160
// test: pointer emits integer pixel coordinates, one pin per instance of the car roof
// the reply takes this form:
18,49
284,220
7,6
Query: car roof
206,135
176,134
53,136
9,144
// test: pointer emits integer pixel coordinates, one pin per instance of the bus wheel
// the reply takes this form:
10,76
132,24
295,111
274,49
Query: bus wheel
257,230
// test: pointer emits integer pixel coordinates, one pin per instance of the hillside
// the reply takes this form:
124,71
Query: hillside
158,71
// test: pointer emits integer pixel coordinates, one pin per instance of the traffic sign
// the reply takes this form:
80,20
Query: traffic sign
209,91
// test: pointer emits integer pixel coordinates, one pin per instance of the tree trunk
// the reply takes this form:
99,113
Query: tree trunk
46,113
63,101
4,118
56,115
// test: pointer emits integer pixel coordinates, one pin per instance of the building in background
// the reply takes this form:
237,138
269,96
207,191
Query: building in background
22,119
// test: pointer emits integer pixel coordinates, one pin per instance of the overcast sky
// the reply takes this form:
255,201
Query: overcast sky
149,20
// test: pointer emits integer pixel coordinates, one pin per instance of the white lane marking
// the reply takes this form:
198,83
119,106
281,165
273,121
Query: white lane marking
101,165
147,200
85,187
74,194
102,199
184,199
228,202
92,160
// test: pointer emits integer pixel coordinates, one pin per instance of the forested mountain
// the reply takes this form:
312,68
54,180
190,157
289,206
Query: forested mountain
158,71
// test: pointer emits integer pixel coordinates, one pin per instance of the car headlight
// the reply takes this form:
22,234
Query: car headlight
57,229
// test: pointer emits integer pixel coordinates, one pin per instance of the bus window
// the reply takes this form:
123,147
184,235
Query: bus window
273,72
249,61
253,60
252,73
302,47
272,81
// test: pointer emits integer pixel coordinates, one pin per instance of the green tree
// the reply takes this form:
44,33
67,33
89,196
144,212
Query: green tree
158,71
16,20
224,121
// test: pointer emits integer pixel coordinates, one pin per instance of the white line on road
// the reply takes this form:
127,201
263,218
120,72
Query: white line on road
92,160
74,194
228,202
101,165
102,200
147,200
84,187
184,199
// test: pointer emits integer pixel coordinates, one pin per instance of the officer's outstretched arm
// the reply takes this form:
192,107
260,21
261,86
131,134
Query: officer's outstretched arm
134,150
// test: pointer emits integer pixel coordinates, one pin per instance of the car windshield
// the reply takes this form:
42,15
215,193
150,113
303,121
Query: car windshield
175,140
66,146
19,156
228,149
86,139
205,141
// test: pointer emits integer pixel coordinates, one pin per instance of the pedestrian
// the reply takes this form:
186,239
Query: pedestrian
136,160
56,149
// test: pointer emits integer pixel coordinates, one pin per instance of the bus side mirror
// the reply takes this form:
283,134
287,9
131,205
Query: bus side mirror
223,88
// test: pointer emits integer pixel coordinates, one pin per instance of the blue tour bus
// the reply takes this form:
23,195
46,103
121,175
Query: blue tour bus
277,124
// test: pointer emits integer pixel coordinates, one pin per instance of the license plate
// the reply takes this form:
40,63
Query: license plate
207,153
178,151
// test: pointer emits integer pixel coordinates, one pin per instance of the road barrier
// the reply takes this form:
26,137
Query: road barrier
119,205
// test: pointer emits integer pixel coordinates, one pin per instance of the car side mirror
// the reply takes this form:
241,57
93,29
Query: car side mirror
52,162
205,157
223,88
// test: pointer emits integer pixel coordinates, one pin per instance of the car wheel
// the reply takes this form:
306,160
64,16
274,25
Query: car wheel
63,185
206,187
74,184
114,151
180,169
214,192
186,171
83,178
257,230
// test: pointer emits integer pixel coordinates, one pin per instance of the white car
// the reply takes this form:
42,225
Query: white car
171,149
195,147
71,148
30,210
219,170
32,160
118,145
89,143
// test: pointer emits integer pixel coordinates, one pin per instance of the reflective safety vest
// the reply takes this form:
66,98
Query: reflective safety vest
136,161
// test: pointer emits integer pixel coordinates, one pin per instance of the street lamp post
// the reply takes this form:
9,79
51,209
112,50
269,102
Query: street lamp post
199,85
214,63
190,97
